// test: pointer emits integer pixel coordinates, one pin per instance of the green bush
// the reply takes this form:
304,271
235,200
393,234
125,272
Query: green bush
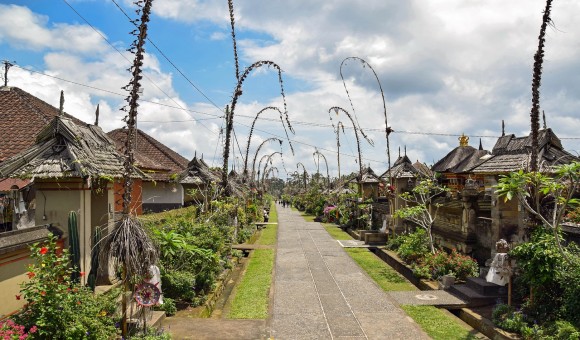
395,241
441,263
168,306
414,247
507,318
563,330
178,285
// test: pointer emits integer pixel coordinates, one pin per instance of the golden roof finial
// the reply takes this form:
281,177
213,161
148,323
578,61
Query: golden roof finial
463,140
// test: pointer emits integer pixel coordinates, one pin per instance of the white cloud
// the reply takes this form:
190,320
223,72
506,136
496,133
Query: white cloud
446,68
27,30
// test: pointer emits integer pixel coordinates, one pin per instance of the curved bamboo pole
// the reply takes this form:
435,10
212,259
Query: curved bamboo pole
258,150
304,172
338,109
252,131
388,129
326,163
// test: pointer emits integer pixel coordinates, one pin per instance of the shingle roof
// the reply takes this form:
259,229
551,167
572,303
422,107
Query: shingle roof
65,149
402,168
512,153
22,117
198,172
423,169
369,176
460,159
151,156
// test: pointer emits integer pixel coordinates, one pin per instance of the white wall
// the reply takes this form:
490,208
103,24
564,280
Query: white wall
162,192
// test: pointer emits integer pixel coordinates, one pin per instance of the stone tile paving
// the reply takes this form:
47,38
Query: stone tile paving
321,293
428,297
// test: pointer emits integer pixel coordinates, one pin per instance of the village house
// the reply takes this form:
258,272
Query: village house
71,168
51,164
197,181
161,189
400,178
471,217
465,208
506,220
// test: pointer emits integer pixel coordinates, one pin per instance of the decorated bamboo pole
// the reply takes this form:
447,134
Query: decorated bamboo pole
74,245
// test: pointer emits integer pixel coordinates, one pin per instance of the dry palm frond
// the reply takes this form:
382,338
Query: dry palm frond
129,246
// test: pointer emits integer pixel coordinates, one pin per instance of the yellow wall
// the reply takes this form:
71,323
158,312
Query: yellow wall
13,268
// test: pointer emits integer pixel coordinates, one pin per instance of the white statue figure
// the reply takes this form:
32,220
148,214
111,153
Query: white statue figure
500,270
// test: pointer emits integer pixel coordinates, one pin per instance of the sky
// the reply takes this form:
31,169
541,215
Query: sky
446,68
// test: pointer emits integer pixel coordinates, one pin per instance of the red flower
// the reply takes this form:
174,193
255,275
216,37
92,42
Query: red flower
82,274
18,296
43,293
30,275
43,250
78,302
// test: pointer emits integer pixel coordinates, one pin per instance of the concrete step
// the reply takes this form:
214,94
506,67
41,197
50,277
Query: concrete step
474,298
152,318
483,287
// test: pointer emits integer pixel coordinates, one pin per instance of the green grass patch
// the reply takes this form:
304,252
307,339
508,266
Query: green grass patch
308,218
273,213
383,274
268,234
437,324
252,293
336,232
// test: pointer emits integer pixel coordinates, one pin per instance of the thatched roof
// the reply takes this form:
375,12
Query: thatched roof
423,169
403,168
512,153
64,149
461,159
369,176
198,172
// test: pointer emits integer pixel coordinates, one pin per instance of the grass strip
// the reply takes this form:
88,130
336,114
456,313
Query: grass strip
437,324
383,274
269,233
336,232
252,293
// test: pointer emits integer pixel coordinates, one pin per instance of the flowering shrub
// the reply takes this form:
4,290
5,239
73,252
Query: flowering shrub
9,330
328,209
573,216
59,308
441,263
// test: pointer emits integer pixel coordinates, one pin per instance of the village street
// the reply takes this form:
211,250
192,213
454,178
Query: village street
319,292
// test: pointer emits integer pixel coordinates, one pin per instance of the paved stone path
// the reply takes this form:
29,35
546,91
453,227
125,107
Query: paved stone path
321,293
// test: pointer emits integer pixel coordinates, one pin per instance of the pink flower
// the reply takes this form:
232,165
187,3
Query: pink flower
33,329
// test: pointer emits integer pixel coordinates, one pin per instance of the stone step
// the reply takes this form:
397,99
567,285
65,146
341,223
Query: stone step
474,298
483,287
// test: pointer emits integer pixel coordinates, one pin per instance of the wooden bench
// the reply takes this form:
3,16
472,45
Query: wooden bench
262,225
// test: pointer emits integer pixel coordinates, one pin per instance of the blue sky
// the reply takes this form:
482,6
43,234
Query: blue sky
446,68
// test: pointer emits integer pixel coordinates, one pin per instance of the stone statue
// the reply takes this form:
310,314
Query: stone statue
500,270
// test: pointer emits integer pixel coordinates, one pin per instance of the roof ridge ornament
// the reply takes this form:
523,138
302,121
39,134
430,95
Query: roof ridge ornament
463,140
